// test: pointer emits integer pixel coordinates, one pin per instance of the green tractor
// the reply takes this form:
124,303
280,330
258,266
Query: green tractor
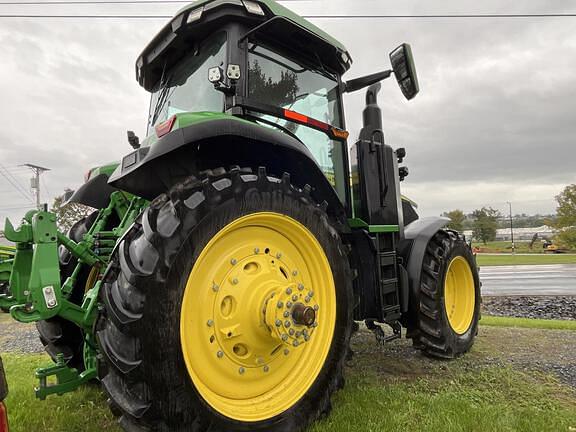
231,253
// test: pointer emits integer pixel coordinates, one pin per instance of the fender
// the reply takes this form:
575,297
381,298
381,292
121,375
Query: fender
413,247
220,140
94,193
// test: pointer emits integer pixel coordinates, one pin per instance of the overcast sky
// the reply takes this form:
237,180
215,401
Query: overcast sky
494,122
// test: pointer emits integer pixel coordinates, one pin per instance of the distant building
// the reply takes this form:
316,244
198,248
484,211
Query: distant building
521,234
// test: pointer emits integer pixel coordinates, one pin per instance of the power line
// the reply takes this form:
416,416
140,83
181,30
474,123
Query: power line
14,182
96,2
452,16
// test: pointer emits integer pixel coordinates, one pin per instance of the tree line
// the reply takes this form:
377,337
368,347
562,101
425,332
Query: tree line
485,221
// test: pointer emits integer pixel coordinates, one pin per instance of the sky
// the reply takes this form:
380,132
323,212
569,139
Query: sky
495,120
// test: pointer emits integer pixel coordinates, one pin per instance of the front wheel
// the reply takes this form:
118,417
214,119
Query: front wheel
229,307
449,297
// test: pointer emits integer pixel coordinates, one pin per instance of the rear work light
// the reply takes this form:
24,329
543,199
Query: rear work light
165,127
3,418
253,8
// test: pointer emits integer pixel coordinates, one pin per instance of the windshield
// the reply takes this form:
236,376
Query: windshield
276,80
186,88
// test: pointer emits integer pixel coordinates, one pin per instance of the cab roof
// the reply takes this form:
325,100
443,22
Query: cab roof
177,37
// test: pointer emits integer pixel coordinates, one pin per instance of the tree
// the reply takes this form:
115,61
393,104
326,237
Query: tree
457,218
566,217
485,224
68,214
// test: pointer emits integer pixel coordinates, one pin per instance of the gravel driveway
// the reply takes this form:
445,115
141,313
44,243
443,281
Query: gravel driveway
550,351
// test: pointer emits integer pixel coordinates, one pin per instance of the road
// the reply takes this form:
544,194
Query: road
557,279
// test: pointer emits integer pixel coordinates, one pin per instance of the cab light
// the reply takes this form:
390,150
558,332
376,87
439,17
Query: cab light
195,15
165,127
253,8
339,133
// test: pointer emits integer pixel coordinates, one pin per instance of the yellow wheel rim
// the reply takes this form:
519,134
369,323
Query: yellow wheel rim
258,315
459,295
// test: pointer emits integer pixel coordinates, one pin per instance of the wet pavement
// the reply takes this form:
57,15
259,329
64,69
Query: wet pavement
550,280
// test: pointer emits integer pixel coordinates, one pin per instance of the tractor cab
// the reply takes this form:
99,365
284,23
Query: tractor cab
258,61
255,60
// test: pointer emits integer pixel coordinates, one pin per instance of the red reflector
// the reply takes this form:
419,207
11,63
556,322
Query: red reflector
292,115
165,127
301,118
318,124
3,418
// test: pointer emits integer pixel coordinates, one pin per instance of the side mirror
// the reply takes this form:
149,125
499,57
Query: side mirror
404,70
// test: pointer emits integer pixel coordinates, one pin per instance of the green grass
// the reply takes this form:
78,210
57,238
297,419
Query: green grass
492,399
494,321
488,399
84,410
508,259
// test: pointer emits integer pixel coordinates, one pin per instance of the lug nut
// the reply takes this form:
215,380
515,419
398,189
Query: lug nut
256,250
291,331
220,354
241,371
316,307
295,273
306,338
215,287
235,281
294,297
295,343
284,337
286,323
210,323
307,299
278,255
288,290
286,314
288,304
298,334
278,323
311,294
280,305
266,368
286,351
233,261
300,287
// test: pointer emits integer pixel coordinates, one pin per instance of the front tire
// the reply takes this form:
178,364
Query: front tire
200,331
449,298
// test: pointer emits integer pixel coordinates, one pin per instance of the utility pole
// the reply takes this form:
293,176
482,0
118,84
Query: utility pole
511,227
35,181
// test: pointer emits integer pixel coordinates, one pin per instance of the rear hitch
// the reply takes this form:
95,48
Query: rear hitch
379,331
67,379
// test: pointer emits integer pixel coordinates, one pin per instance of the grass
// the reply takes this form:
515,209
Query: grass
84,410
495,321
508,259
488,399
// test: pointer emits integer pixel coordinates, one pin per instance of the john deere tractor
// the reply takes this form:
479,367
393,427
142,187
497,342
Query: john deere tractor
233,250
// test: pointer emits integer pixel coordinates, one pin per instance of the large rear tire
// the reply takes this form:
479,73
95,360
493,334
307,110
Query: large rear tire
60,336
449,303
227,308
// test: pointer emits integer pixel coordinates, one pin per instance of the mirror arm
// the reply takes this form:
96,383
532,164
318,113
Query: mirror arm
365,81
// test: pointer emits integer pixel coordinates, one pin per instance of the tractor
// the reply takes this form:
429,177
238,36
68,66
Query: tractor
234,250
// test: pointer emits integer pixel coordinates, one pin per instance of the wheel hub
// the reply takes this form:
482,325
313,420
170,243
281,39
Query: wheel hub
261,306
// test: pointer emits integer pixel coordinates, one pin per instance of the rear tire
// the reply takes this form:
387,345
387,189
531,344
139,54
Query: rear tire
149,377
449,304
60,336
